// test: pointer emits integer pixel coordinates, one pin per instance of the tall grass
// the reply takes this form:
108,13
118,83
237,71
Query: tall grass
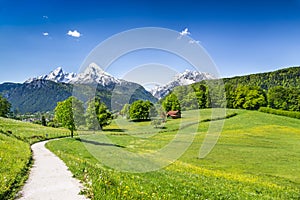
178,181
15,157
15,154
256,157
29,132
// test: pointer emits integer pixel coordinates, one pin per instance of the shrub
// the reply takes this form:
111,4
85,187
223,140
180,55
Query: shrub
292,114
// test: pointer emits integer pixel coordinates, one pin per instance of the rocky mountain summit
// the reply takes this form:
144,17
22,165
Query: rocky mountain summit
186,78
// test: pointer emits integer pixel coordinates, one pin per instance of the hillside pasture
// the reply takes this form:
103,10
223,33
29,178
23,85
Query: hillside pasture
15,154
256,157
29,132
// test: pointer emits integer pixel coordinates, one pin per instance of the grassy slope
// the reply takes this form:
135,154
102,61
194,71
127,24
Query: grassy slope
256,143
15,154
14,158
29,132
257,156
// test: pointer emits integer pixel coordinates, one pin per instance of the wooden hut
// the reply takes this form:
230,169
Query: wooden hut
174,114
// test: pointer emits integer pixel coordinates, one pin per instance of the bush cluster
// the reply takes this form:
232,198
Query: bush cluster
292,114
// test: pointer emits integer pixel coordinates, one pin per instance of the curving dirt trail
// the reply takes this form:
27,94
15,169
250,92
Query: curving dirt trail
50,178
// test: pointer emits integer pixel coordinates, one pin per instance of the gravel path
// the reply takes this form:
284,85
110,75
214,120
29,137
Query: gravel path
50,178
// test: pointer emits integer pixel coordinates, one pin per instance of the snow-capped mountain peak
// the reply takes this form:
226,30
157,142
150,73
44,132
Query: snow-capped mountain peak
58,70
57,75
90,75
189,77
94,74
186,78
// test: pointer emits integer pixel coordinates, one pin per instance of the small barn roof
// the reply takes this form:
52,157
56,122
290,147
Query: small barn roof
173,112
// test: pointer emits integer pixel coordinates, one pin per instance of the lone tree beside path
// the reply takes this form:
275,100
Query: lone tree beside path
69,113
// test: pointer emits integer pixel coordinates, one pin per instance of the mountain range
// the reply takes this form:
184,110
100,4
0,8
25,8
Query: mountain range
42,93
91,75
94,74
57,75
186,78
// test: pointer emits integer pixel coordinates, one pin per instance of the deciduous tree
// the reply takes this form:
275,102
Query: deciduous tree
139,110
171,103
97,115
69,113
4,107
248,97
125,111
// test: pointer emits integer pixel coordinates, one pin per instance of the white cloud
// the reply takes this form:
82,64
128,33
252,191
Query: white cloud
74,33
45,33
194,41
185,32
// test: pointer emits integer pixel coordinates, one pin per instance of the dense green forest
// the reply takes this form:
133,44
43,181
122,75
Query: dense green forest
287,77
279,89
38,96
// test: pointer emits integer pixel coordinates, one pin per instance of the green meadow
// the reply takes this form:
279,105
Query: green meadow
257,156
29,132
15,154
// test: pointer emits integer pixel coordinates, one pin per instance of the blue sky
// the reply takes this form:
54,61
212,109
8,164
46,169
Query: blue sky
241,37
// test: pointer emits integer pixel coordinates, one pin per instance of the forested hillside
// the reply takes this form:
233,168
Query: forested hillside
43,95
37,96
288,77
279,89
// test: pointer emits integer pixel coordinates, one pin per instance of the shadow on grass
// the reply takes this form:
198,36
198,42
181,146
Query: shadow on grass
140,120
161,127
114,130
98,143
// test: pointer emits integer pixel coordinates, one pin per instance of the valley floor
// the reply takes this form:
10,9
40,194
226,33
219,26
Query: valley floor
256,157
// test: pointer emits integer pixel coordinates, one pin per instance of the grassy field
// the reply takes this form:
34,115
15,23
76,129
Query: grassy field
29,132
256,157
15,154
14,161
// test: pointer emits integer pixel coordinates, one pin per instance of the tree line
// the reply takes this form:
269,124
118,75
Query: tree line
71,114
145,110
215,94
287,78
278,89
141,110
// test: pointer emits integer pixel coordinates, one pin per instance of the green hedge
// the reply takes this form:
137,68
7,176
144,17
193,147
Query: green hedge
293,114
